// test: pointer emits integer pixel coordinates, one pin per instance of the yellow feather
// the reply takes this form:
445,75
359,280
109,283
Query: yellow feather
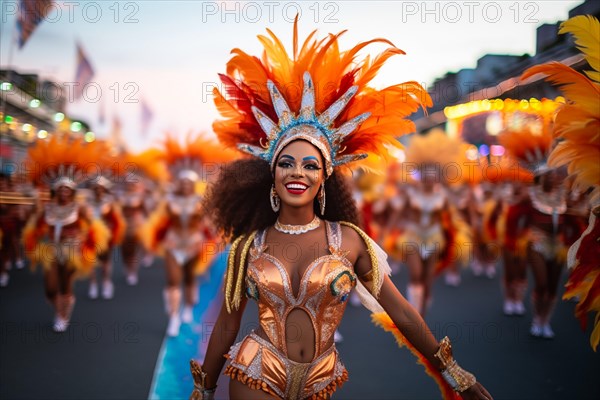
586,30
578,122
575,86
434,147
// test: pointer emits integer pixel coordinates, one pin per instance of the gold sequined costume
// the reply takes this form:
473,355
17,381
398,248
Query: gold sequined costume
323,292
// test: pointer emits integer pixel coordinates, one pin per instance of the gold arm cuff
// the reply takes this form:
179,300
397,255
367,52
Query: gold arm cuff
444,353
200,392
458,378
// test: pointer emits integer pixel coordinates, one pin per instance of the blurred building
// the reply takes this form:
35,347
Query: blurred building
31,109
496,76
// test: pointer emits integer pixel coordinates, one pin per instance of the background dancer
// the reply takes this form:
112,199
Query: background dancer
178,230
62,236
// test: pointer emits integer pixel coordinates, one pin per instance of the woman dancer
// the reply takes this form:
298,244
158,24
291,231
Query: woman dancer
513,233
297,250
545,220
105,207
12,210
63,236
140,170
426,217
178,230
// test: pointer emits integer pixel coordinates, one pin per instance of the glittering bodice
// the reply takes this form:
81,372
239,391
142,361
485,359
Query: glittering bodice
426,203
132,205
187,210
62,218
102,207
323,292
551,206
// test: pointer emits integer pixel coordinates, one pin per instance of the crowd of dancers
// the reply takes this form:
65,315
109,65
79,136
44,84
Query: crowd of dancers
432,219
440,207
81,203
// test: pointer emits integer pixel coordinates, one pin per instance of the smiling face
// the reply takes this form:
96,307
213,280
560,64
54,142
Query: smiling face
298,174
99,190
186,187
64,194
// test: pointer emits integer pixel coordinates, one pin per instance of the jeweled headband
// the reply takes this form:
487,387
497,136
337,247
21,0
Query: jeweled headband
316,130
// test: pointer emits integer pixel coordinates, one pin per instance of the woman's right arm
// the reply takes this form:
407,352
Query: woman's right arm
225,330
221,339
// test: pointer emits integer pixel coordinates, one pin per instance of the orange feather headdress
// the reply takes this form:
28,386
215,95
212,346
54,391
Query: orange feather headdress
145,164
531,149
59,161
577,123
100,168
505,169
319,94
186,161
434,149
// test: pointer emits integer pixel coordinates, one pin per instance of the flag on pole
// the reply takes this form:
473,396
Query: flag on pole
83,74
102,113
30,14
147,116
116,135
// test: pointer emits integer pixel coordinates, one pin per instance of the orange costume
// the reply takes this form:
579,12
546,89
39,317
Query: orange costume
178,225
135,203
67,234
179,230
323,292
64,237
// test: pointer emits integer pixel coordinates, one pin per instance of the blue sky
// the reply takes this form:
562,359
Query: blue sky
170,52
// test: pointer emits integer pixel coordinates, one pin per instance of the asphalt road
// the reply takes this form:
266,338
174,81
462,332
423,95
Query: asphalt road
108,352
497,349
111,348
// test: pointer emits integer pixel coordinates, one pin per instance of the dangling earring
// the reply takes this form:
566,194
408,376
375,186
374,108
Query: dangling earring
275,200
322,198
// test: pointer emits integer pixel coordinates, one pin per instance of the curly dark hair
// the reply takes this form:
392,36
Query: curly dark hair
238,201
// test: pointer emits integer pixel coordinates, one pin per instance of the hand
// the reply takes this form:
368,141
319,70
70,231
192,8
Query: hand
477,391
199,377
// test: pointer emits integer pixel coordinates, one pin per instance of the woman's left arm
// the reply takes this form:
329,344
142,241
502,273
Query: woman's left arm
412,326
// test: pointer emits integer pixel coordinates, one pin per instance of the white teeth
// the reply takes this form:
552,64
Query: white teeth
296,186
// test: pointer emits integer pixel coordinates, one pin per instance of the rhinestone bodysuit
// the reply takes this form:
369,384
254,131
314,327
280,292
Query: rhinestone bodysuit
323,293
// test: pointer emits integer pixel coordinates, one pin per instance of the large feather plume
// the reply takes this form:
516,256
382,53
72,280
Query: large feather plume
56,156
578,127
333,72
530,149
586,31
198,153
577,123
145,164
433,148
